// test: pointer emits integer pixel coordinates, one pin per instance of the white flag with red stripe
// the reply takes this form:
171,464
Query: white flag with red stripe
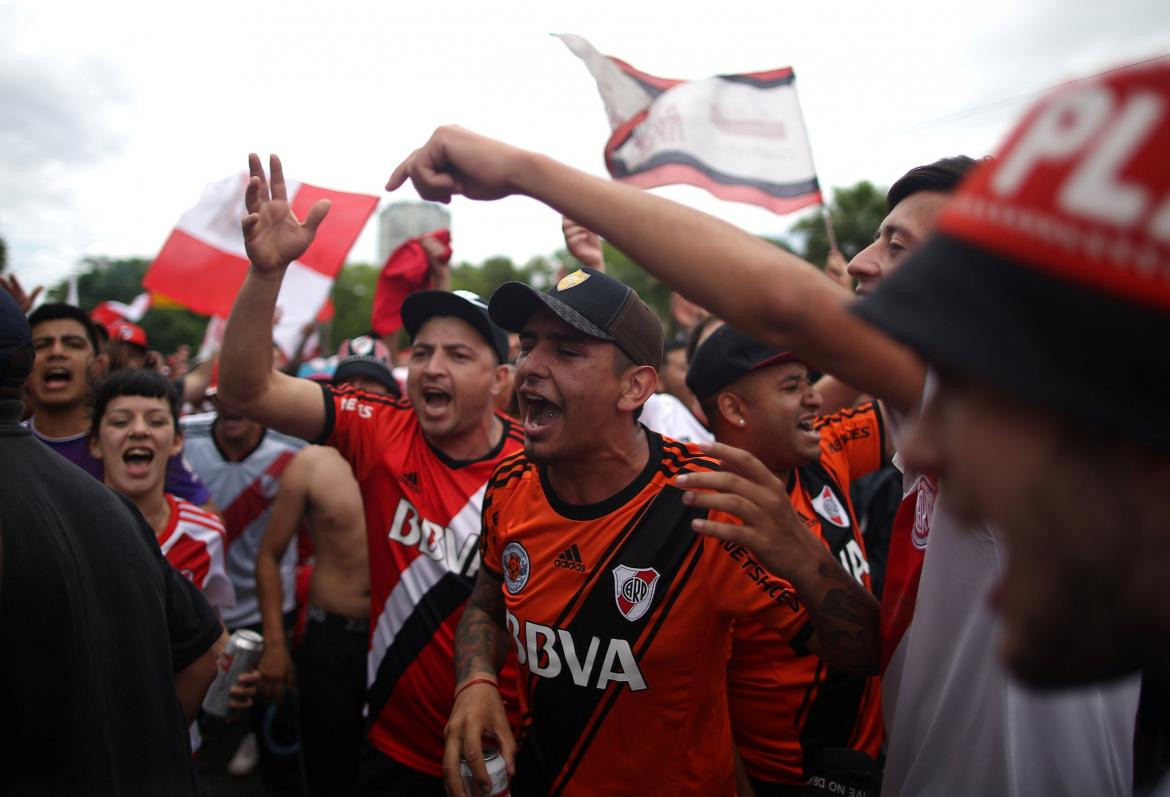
203,263
740,137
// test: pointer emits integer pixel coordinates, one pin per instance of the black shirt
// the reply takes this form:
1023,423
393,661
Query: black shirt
93,625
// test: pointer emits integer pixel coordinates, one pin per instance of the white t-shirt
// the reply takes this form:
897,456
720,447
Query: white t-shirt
244,492
665,414
957,723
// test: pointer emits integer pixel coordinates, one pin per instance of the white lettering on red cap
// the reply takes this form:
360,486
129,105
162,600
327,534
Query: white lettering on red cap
1082,187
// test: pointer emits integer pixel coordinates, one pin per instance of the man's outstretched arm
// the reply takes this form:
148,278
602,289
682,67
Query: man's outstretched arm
273,238
769,293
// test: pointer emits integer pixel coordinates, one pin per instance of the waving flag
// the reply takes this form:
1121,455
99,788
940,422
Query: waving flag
203,264
740,137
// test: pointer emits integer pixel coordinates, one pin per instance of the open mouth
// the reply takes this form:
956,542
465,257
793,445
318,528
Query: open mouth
57,377
539,414
807,426
436,400
138,460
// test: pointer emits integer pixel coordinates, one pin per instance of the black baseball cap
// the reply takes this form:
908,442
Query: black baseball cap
15,334
591,302
366,356
421,306
1052,295
725,356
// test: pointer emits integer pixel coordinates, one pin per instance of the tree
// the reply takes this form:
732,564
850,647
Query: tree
121,280
856,213
353,301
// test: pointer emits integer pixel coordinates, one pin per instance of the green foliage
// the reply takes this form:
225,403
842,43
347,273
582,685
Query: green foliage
353,301
653,292
121,280
857,212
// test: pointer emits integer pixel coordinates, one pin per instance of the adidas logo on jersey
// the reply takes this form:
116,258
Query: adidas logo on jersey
410,479
570,559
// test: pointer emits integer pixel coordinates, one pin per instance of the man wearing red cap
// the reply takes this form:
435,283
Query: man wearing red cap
1044,304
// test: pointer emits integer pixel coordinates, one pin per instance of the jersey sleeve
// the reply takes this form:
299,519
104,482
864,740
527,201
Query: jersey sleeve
853,441
500,488
192,625
489,537
742,587
358,425
183,481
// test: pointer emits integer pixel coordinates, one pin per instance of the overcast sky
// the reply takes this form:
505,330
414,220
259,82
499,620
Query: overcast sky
114,115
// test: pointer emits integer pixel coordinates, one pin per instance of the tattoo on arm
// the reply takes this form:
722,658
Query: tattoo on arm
846,621
481,640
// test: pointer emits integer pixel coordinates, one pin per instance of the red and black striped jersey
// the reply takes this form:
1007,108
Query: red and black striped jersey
194,542
621,618
785,706
423,523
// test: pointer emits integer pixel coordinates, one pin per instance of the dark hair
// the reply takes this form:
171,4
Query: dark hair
132,382
19,362
944,175
54,311
696,333
673,344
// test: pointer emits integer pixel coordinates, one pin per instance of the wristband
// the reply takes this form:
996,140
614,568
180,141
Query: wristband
474,681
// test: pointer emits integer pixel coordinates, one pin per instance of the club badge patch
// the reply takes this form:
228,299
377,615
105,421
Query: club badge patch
633,590
828,507
923,509
572,280
516,566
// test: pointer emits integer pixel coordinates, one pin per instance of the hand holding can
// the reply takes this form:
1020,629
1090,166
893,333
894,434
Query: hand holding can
241,656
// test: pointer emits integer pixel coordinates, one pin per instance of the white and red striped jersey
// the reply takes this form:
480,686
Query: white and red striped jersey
423,516
194,542
244,492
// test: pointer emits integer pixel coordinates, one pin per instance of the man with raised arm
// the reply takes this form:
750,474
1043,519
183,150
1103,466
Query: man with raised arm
319,491
421,464
948,671
620,613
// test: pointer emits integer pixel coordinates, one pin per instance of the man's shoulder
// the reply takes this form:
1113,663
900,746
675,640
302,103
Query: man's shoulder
684,457
510,470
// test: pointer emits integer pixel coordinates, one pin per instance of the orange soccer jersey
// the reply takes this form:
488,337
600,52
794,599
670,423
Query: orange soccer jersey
621,617
784,706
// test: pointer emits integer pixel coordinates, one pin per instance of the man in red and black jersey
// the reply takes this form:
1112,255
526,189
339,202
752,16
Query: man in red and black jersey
421,465
793,717
619,612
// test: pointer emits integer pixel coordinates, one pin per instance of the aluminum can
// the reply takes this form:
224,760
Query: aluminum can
242,654
497,769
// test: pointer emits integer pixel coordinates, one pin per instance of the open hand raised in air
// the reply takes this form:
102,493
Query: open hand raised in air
273,236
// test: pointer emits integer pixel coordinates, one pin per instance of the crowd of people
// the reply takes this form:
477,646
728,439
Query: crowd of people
896,526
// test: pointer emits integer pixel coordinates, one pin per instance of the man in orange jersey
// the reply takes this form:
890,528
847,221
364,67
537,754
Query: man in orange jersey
818,719
620,613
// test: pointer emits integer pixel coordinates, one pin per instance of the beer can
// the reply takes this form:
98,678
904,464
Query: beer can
243,652
497,769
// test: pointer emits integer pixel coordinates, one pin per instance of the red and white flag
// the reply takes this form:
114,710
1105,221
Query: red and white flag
740,137
203,264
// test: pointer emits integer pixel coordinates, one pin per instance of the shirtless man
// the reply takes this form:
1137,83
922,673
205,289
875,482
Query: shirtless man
318,486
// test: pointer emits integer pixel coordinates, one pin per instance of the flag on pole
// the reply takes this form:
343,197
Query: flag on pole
203,264
109,310
740,137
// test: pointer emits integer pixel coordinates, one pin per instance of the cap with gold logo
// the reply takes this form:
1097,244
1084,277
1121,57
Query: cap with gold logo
592,302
